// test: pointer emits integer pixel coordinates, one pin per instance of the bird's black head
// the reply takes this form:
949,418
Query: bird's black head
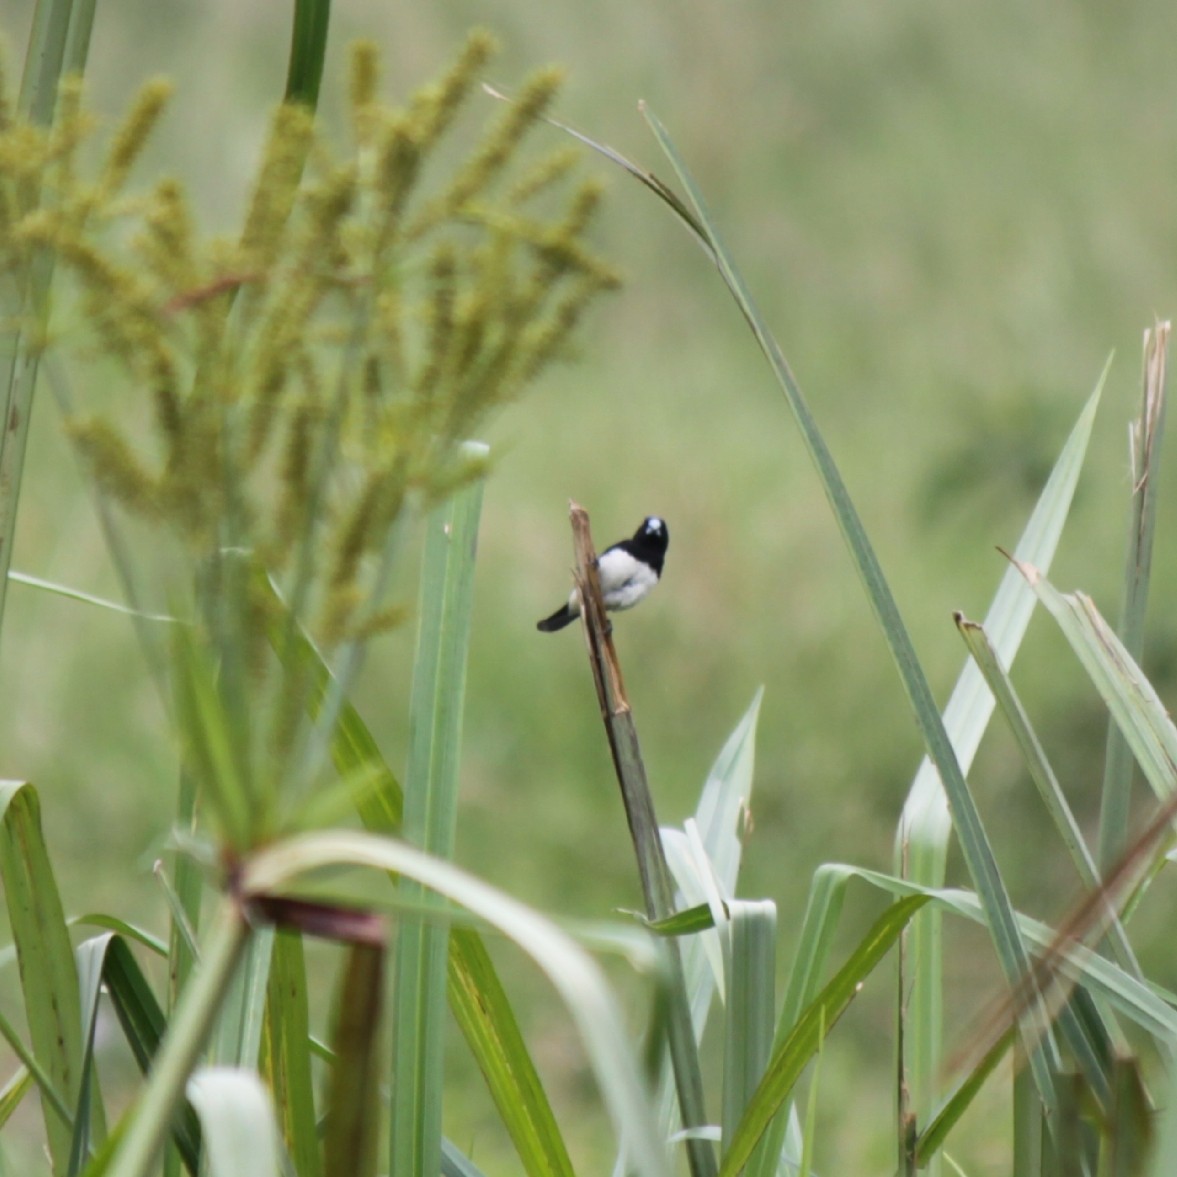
652,536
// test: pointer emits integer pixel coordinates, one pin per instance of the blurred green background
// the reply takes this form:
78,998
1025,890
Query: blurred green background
951,215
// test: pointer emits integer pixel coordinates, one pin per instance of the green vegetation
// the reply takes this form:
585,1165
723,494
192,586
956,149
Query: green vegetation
242,940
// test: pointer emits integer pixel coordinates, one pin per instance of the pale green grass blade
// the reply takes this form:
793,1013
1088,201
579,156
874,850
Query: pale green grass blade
804,1039
73,594
1166,1127
237,1041
352,1136
48,1092
750,1007
454,1164
14,1092
1127,693
287,1054
237,1119
575,975
49,978
210,741
430,820
477,998
89,1115
1043,776
1028,1128
59,42
1145,436
975,848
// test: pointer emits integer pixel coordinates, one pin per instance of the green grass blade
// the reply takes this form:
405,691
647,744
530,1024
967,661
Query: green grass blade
48,974
480,1006
240,1136
575,975
352,1136
975,848
143,1025
1146,435
430,820
287,1054
308,51
932,1138
791,1057
150,1119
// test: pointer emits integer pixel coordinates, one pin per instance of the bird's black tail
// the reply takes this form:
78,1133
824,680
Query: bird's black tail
562,617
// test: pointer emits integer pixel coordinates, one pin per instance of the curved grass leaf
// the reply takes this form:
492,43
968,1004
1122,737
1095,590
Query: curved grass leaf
575,975
48,974
974,843
237,1119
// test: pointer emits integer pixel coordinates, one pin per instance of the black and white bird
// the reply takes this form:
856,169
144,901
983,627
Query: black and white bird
627,571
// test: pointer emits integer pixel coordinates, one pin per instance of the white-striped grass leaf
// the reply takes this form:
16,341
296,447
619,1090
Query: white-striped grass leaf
1145,437
430,819
237,1122
286,1053
352,1133
974,844
704,859
573,973
791,1055
89,1115
237,1039
48,974
750,1004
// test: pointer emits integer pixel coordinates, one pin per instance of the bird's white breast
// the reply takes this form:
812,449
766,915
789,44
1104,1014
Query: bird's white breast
624,580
